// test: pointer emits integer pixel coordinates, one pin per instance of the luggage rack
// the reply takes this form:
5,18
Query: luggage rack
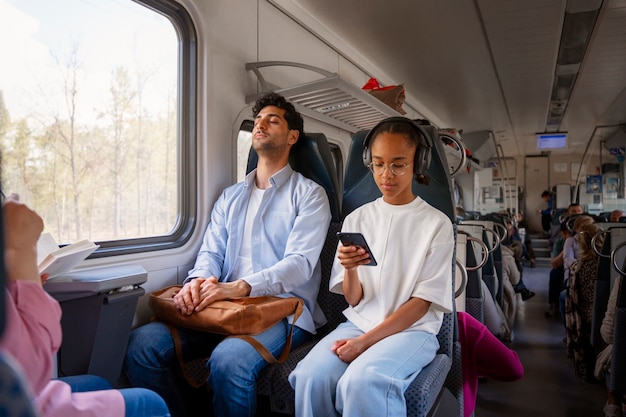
335,101
330,99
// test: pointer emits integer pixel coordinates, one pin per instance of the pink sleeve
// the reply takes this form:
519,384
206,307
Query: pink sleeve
493,358
32,336
33,330
57,400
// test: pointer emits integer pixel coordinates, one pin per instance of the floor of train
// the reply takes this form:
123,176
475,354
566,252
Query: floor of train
549,387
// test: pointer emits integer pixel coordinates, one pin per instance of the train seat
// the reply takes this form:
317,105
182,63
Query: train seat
483,288
602,287
471,215
473,289
443,375
490,277
273,380
311,156
617,380
360,188
492,270
313,161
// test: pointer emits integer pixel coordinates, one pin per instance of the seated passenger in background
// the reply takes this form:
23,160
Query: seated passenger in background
32,335
529,253
570,255
396,308
574,209
515,242
514,251
483,355
571,250
494,317
579,302
557,273
512,284
616,215
288,216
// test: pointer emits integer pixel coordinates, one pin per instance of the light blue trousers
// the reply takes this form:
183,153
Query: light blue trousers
372,385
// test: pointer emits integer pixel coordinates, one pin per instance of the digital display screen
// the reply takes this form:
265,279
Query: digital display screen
551,141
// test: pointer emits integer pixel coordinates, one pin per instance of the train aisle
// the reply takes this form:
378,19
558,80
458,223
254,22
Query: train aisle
549,386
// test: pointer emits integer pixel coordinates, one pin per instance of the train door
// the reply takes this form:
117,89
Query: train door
537,181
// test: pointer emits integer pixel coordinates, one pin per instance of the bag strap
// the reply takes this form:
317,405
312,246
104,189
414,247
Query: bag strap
266,354
179,354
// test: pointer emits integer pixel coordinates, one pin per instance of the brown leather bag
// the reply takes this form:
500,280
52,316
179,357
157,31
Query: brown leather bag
240,317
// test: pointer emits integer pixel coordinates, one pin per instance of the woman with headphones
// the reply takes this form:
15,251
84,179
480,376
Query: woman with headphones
396,307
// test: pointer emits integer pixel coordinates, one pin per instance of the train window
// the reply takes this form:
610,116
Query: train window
244,142
96,129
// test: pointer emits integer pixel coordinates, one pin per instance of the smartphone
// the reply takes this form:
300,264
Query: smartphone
357,239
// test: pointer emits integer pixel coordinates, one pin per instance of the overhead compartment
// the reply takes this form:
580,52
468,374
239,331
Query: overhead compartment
481,144
616,141
339,103
330,99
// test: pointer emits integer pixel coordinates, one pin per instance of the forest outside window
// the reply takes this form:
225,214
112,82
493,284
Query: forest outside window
92,135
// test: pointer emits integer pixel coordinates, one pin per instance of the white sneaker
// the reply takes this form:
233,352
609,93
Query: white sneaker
612,410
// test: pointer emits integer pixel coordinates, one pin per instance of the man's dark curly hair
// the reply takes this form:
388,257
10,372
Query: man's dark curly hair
293,118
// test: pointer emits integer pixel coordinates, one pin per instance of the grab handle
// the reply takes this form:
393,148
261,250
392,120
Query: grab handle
485,251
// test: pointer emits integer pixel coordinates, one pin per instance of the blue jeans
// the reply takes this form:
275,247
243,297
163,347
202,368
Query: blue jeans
86,383
144,402
139,402
555,285
520,286
371,385
151,362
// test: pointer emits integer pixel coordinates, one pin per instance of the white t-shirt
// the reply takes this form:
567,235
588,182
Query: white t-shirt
244,260
414,247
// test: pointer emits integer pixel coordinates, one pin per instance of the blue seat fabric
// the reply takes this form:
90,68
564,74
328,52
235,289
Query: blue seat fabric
360,188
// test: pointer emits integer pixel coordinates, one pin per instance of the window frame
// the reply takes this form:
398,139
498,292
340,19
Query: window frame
186,141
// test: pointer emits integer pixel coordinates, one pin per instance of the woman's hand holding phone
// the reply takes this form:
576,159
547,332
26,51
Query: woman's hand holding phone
354,251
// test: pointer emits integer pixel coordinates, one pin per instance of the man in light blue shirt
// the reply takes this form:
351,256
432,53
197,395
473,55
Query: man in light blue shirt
263,239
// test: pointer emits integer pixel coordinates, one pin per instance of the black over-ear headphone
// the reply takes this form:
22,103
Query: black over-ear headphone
423,152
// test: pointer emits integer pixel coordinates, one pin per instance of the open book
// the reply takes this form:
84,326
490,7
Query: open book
53,260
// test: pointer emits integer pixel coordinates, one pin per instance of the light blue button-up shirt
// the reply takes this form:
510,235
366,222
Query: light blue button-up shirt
288,233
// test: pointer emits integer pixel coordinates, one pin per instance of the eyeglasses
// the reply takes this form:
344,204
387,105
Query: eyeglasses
378,168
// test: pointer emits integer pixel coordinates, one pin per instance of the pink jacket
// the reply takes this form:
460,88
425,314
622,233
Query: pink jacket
32,336
483,355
